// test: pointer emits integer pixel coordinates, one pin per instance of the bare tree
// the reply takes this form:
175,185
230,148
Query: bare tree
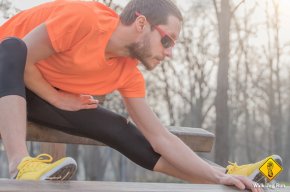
241,76
221,103
5,5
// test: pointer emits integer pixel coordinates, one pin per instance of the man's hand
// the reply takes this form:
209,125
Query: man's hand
240,182
74,102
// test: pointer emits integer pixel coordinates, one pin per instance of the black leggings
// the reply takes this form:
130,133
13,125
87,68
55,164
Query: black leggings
99,124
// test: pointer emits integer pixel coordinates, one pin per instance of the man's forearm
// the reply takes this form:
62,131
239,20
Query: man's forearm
170,147
36,83
39,47
181,156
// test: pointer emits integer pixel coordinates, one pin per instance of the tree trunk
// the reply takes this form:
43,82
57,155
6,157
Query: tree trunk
222,111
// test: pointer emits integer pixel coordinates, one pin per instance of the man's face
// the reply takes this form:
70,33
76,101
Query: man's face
149,50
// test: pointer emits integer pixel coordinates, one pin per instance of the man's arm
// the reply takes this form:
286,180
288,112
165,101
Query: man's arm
172,149
39,47
168,145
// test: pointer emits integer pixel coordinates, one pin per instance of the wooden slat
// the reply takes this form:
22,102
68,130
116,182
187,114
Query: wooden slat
197,139
56,150
90,186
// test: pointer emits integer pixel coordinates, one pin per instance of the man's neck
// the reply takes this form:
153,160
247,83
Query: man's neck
119,41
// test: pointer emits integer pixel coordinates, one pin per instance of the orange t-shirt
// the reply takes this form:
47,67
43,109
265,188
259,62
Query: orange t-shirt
79,32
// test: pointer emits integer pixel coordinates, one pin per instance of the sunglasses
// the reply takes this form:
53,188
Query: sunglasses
166,40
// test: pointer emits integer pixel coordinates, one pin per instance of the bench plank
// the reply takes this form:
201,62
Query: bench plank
89,186
197,139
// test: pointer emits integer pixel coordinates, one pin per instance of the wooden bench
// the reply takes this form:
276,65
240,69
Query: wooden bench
197,139
89,186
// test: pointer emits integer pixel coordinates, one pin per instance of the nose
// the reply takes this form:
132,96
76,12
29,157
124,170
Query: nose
168,52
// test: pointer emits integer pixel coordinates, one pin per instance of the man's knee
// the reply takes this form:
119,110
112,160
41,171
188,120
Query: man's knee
12,48
13,53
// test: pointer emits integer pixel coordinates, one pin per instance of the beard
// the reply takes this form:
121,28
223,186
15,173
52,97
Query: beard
141,51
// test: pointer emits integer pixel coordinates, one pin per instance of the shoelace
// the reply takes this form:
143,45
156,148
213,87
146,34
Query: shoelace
231,167
33,164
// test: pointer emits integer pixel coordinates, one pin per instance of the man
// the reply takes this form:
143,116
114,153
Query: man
71,50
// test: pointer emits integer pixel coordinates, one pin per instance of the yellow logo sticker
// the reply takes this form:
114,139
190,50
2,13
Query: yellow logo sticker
271,169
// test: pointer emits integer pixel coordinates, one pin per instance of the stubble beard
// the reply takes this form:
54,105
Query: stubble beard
141,51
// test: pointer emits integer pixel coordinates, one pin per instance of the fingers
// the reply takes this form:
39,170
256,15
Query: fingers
249,184
88,100
232,180
91,106
241,183
93,101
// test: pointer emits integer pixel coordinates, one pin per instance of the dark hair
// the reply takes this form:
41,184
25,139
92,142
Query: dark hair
155,11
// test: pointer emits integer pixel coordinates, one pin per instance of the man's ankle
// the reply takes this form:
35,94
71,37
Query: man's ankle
13,171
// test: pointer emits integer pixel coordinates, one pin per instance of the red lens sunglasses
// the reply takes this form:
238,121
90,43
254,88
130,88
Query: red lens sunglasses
166,40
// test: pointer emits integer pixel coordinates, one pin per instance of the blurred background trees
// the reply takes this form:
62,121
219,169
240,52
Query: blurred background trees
229,75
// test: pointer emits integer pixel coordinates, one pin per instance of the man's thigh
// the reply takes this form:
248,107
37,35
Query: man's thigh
41,112
98,124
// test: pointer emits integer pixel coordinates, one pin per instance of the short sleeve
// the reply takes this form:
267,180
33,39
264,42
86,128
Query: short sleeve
68,25
134,87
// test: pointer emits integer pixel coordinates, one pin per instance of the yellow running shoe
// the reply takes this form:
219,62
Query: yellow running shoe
42,168
252,170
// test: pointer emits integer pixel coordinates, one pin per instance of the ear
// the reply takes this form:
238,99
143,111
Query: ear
140,23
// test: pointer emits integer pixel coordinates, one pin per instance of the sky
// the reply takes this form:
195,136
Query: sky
24,4
284,10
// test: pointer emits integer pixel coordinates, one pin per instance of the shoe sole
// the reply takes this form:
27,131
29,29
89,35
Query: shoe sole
259,177
62,172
